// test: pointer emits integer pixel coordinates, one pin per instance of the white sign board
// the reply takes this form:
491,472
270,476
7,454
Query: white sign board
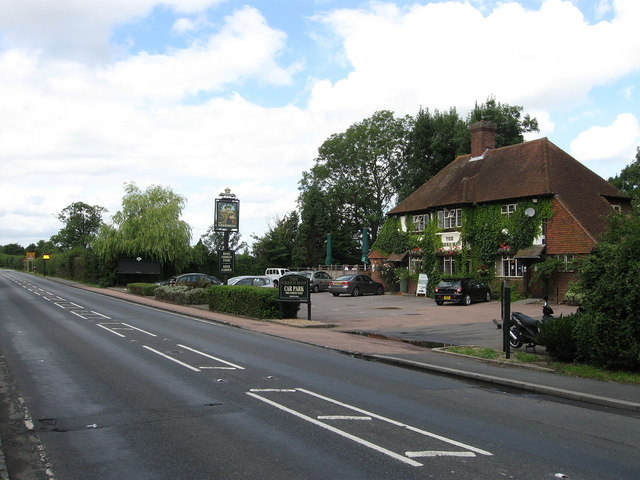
423,279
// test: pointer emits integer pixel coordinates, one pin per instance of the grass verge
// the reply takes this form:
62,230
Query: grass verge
561,368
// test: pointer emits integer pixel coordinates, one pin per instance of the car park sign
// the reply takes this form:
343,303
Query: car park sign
295,288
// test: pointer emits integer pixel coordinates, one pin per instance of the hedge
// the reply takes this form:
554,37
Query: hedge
144,289
254,302
182,295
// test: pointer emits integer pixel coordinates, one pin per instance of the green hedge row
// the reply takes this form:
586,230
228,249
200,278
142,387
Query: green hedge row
144,289
182,295
594,338
248,301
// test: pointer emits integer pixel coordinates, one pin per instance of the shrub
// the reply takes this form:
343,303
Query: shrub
145,289
607,341
556,334
248,301
182,295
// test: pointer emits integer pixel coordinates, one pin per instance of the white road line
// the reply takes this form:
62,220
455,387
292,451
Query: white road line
437,453
140,330
76,305
112,331
399,424
342,417
100,315
280,390
172,359
61,306
342,433
78,315
211,357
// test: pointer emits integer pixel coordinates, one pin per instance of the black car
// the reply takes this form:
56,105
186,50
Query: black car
200,280
461,290
355,285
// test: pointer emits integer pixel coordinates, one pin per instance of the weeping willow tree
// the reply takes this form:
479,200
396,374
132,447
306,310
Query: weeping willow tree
149,226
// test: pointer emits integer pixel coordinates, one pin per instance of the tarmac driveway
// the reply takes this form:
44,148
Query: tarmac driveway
419,319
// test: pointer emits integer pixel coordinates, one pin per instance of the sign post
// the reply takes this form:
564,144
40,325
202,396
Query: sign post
45,257
226,220
423,281
295,288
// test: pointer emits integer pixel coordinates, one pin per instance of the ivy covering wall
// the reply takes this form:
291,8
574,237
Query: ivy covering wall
486,233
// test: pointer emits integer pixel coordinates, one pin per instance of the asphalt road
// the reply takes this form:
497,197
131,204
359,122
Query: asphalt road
116,390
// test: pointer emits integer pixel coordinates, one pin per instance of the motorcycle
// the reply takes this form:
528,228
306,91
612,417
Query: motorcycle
524,329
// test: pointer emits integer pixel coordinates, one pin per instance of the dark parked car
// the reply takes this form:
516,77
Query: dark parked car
355,285
200,280
461,290
318,281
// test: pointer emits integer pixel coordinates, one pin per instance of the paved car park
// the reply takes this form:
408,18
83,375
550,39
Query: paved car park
419,319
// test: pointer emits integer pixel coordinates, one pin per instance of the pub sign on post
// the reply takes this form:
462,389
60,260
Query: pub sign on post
227,214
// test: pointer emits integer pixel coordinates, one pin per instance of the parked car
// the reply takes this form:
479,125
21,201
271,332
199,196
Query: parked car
252,280
355,285
276,272
318,281
461,290
200,280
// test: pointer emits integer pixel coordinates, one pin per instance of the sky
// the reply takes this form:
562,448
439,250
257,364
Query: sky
203,95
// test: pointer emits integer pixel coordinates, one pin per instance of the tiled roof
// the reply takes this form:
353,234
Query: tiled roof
532,169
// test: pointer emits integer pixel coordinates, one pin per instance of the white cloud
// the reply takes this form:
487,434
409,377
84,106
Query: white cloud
78,29
449,53
602,148
76,124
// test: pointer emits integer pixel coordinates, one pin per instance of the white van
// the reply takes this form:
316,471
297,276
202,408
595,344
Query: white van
276,273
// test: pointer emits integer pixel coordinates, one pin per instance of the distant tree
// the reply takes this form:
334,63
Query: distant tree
628,181
511,124
13,249
214,241
81,225
148,226
275,248
353,172
315,225
433,142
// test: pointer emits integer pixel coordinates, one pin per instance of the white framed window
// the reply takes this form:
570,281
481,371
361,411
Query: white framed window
509,208
567,262
448,219
420,222
448,265
509,267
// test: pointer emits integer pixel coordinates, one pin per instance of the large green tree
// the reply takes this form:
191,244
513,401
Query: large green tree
628,181
148,226
81,225
433,141
275,248
354,171
511,123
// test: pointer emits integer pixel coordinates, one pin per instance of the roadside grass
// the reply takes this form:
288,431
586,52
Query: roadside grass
561,368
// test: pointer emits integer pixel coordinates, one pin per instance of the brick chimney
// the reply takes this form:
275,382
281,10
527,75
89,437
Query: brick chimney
483,137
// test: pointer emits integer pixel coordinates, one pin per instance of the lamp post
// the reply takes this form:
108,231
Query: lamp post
45,257
227,219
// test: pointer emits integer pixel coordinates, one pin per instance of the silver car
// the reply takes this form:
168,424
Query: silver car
318,280
252,280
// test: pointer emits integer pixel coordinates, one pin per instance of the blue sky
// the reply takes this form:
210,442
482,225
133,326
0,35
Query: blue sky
200,95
